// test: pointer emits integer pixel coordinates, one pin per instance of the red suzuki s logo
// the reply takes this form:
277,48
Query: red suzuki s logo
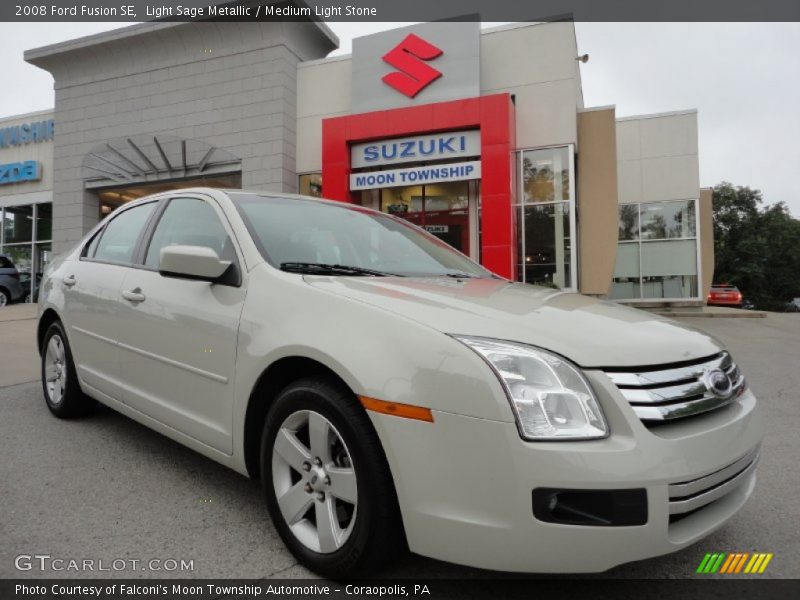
409,57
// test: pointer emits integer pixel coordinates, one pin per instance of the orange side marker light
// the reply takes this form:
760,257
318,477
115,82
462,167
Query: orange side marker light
408,411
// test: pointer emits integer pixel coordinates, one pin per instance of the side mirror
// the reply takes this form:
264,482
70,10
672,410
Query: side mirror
192,262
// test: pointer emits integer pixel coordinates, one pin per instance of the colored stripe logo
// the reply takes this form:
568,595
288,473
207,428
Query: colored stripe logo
733,563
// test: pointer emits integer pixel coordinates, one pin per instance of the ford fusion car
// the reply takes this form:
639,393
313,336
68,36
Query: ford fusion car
389,392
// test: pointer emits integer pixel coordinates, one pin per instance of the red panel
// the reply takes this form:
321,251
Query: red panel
494,115
454,115
496,219
495,258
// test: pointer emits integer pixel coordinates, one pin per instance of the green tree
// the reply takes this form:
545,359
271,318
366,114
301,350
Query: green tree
756,248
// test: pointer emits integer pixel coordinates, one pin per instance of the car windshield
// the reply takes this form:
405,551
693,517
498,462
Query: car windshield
309,236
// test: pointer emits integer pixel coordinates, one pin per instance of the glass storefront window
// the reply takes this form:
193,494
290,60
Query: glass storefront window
627,280
664,220
27,244
42,256
18,224
546,175
669,269
311,184
440,208
44,222
21,255
546,217
545,255
629,222
657,251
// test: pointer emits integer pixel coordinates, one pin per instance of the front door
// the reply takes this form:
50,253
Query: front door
178,337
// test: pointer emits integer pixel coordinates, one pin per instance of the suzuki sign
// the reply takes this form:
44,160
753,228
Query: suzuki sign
420,64
418,148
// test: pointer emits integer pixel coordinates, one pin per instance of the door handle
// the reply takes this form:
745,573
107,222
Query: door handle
135,295
70,280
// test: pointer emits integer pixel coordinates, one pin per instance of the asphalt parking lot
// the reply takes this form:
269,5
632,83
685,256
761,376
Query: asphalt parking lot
107,488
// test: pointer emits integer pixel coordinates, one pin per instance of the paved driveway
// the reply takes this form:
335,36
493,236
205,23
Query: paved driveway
19,361
108,488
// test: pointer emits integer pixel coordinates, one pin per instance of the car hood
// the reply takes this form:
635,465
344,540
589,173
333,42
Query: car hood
590,332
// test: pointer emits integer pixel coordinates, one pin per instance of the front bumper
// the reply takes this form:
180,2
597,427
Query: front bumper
465,485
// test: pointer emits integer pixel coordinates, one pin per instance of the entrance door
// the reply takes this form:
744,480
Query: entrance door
446,210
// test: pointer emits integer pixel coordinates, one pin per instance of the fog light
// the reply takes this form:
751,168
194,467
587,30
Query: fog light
599,508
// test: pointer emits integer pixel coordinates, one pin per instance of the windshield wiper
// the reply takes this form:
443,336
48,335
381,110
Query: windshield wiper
461,275
320,268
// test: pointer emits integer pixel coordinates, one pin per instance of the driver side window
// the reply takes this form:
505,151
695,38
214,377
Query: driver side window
189,222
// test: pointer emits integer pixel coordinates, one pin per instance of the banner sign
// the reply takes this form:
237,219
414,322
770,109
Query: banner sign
459,171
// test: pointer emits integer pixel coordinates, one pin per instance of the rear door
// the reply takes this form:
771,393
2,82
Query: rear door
92,297
178,337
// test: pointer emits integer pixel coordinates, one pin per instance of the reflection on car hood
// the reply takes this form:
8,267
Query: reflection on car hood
591,332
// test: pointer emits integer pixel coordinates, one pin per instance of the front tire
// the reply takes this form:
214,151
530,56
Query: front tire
327,484
62,392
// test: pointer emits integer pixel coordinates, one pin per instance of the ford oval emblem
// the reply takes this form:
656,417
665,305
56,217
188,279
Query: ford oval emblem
718,383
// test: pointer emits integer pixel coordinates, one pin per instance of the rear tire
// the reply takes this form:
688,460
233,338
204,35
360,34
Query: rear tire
60,386
327,484
5,298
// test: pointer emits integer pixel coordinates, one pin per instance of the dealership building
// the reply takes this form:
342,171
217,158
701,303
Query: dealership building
480,136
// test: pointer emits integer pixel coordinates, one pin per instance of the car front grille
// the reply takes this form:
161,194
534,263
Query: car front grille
661,394
689,496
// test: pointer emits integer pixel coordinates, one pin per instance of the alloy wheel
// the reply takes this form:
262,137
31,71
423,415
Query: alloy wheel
314,481
55,369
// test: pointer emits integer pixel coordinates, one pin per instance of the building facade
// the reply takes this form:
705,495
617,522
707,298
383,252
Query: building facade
479,136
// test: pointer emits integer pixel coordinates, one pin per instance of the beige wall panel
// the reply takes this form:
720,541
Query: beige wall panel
542,119
524,55
629,180
670,177
597,200
628,140
706,231
323,87
672,135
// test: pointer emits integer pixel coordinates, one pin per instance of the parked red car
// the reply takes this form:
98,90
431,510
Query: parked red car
724,294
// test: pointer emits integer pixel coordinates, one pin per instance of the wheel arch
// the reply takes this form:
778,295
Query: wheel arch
270,383
48,317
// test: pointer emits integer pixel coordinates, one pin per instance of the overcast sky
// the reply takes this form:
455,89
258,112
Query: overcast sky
741,77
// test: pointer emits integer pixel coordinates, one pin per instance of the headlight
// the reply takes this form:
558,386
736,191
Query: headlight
549,396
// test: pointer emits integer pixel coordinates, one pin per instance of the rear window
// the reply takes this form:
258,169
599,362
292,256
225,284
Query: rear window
5,263
118,240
